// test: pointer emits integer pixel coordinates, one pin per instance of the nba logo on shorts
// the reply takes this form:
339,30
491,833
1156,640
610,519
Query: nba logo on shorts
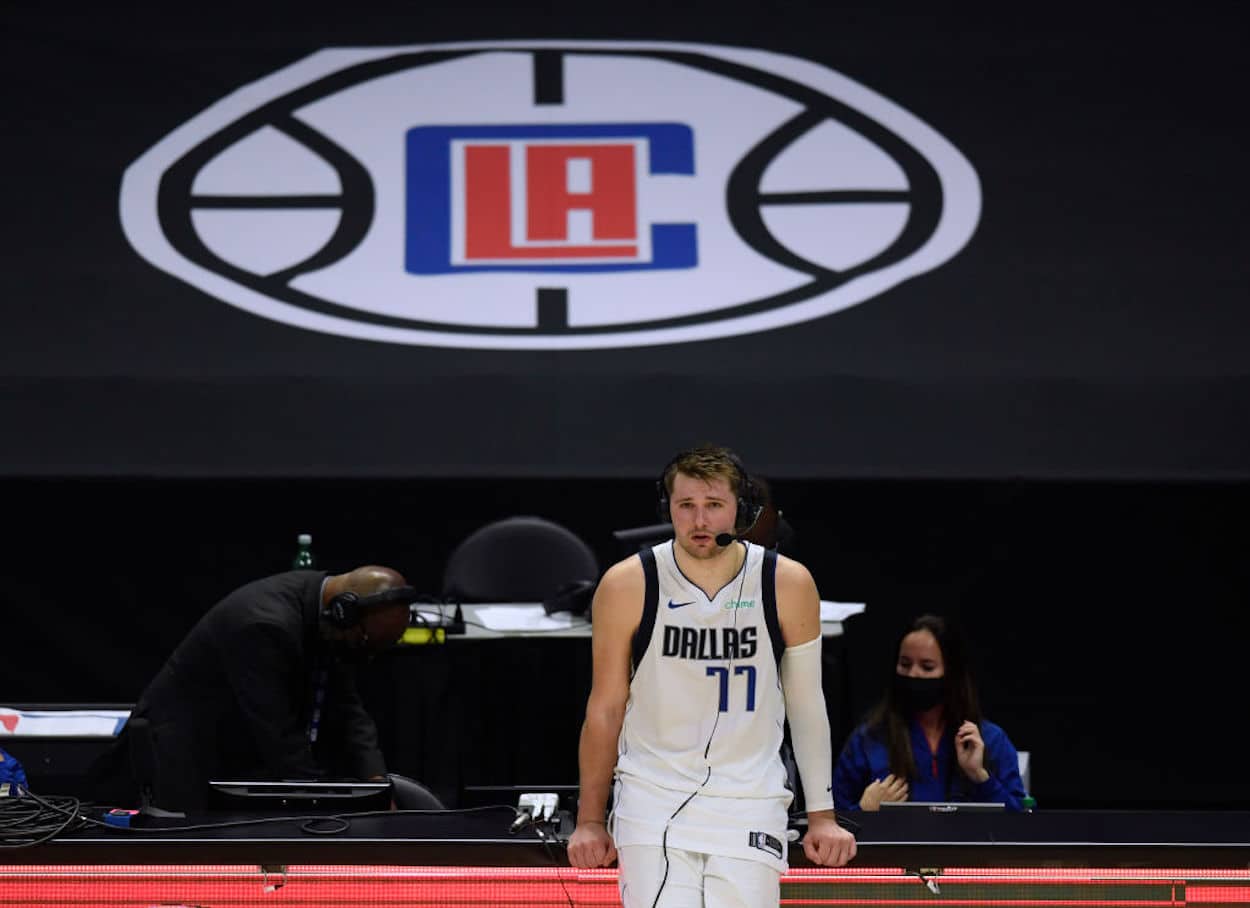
765,842
543,198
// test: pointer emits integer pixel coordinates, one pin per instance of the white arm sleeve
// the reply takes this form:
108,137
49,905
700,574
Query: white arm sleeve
809,723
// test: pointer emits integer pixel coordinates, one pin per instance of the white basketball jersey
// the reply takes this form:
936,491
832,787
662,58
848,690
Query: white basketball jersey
705,715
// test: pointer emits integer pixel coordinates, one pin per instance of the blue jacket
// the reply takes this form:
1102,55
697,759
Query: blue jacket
11,772
939,778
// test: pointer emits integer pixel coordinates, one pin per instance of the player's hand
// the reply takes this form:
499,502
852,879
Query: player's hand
891,788
827,843
591,845
970,752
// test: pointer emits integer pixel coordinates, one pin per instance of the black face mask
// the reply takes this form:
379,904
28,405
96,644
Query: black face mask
918,694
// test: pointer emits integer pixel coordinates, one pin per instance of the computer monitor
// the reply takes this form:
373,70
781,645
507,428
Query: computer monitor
634,538
263,796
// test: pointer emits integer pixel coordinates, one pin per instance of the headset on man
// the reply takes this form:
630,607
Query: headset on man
347,609
749,507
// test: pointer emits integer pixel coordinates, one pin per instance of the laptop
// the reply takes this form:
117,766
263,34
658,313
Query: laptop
267,796
947,806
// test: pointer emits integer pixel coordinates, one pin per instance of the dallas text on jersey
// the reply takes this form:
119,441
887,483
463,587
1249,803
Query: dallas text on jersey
709,642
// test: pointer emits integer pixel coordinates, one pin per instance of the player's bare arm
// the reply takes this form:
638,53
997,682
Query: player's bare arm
616,613
798,611
798,603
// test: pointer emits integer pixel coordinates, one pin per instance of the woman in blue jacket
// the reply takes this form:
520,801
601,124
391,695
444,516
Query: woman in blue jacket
926,740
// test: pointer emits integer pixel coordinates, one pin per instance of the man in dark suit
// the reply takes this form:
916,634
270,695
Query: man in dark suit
263,687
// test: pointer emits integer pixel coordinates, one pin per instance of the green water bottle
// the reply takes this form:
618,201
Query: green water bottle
304,560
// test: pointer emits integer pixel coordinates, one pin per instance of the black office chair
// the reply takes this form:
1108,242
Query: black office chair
518,559
409,794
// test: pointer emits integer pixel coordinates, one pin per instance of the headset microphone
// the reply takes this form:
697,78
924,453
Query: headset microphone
724,539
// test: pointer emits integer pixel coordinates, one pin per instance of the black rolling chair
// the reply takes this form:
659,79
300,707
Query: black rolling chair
514,700
519,559
409,794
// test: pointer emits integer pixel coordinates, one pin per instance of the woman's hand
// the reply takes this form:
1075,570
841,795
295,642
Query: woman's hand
887,789
970,752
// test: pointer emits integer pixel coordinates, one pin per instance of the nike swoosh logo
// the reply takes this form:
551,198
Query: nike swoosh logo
672,604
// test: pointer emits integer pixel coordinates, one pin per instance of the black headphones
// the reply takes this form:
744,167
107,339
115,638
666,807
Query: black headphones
748,508
346,609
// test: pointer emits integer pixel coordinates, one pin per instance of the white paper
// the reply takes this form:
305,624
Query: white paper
519,617
62,722
839,611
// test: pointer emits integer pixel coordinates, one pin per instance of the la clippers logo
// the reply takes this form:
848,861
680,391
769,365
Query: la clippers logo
543,198
550,195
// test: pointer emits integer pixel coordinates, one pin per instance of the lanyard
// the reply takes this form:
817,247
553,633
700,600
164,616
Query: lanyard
319,696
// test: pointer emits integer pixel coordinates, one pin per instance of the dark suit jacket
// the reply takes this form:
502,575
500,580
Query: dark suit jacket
235,699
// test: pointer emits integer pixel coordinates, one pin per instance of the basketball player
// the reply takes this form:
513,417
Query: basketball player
703,647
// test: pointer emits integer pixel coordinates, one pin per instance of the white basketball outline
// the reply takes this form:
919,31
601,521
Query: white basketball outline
961,208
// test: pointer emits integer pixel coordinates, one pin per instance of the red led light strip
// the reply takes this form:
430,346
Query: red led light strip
395,886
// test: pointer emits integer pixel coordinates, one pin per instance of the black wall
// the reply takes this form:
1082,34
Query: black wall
1094,326
1108,620
1046,435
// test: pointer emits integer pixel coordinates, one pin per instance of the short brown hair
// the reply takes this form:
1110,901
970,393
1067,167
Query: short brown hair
706,462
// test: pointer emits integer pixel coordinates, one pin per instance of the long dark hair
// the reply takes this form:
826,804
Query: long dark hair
888,720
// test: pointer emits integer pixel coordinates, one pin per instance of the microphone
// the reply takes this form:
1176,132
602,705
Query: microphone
524,815
724,539
534,807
